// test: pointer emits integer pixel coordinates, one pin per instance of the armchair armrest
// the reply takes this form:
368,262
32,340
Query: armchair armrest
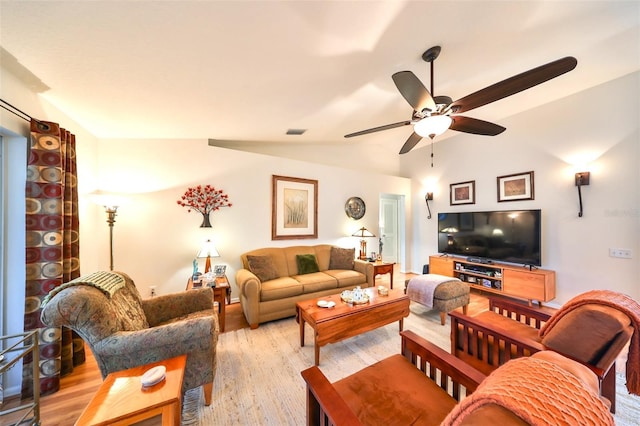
167,307
127,349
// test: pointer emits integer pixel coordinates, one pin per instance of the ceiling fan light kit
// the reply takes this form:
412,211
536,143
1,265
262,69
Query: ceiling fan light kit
432,126
433,115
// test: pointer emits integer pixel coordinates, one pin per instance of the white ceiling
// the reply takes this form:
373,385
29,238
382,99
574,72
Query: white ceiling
250,70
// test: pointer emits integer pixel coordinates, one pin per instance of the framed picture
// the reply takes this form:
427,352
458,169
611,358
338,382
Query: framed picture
219,270
294,208
515,187
462,193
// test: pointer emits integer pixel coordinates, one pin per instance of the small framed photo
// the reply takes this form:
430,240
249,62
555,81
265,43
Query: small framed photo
515,187
462,193
219,270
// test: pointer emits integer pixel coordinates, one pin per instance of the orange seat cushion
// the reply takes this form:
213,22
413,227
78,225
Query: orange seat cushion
394,392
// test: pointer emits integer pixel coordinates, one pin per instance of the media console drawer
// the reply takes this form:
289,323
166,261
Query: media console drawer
529,285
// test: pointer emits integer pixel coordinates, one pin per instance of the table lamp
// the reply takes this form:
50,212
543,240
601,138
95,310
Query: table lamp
208,250
363,233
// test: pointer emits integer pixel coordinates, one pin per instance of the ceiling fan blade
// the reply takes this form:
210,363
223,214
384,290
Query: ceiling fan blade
410,143
377,129
475,126
412,89
514,84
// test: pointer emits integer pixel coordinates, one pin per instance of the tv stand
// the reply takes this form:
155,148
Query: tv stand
521,282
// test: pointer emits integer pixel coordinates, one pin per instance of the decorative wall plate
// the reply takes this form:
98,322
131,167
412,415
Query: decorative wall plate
355,208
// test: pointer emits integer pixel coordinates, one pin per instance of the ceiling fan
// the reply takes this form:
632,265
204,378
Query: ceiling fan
433,115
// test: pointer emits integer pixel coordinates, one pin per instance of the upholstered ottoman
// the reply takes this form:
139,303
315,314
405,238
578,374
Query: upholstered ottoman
438,292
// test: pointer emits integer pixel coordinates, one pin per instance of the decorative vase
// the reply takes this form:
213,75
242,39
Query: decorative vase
206,223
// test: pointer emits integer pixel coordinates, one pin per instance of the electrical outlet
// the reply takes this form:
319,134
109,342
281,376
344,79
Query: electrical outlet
621,253
152,291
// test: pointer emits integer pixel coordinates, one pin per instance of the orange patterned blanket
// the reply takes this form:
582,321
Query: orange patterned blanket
616,300
539,392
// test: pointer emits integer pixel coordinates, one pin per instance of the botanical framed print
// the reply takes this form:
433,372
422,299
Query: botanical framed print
462,193
294,208
515,187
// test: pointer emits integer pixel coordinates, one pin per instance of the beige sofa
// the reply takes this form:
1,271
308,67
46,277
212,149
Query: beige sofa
271,282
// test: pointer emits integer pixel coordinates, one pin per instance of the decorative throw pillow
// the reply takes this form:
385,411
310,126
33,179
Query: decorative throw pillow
263,267
307,263
341,258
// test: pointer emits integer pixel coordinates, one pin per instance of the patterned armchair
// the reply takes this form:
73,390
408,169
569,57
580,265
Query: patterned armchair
124,331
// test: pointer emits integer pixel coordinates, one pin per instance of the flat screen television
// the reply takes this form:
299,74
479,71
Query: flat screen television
512,236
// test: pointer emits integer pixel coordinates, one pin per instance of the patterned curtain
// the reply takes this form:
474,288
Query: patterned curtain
52,248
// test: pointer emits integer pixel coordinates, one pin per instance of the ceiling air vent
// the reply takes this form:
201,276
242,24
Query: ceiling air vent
296,131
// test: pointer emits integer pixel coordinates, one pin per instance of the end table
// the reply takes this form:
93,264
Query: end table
381,268
221,294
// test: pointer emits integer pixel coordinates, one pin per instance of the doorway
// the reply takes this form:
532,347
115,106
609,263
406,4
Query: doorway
391,225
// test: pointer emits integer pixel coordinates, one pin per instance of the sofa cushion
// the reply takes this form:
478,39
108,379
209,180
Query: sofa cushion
262,267
307,264
341,258
280,288
601,323
316,281
406,397
347,277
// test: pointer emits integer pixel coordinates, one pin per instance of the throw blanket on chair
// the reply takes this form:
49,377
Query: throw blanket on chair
108,282
621,302
422,288
539,392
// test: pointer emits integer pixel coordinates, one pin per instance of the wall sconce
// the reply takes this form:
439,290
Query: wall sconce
582,179
428,197
363,233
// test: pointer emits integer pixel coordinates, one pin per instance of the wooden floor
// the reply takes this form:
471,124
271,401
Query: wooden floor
65,406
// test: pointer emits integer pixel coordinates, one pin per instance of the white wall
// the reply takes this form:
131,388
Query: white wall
596,131
155,239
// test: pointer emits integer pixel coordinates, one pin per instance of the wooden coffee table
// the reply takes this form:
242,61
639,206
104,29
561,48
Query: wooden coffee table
121,399
331,325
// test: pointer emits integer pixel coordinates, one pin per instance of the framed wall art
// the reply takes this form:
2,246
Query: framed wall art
294,208
515,187
219,270
462,193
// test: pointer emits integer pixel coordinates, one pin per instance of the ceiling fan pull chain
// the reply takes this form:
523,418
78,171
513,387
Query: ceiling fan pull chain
432,152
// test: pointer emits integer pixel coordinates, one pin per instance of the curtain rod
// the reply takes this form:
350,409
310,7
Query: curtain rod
17,112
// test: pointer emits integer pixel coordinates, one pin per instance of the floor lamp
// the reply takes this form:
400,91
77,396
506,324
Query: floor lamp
111,219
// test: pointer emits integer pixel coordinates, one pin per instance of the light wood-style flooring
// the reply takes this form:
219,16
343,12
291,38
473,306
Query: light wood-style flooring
65,406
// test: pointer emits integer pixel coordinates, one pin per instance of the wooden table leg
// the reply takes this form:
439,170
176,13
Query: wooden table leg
316,349
301,324
401,323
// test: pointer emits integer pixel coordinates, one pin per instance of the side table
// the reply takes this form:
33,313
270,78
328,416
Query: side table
121,399
381,268
221,294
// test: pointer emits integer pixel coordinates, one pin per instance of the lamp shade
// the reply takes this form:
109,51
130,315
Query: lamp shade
433,125
362,233
208,250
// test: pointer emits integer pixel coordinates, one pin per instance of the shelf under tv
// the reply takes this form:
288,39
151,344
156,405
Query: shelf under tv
515,281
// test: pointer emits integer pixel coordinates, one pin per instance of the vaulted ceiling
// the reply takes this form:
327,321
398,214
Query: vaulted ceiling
251,70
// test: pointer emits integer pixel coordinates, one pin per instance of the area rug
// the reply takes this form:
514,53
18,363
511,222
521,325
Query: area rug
258,378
